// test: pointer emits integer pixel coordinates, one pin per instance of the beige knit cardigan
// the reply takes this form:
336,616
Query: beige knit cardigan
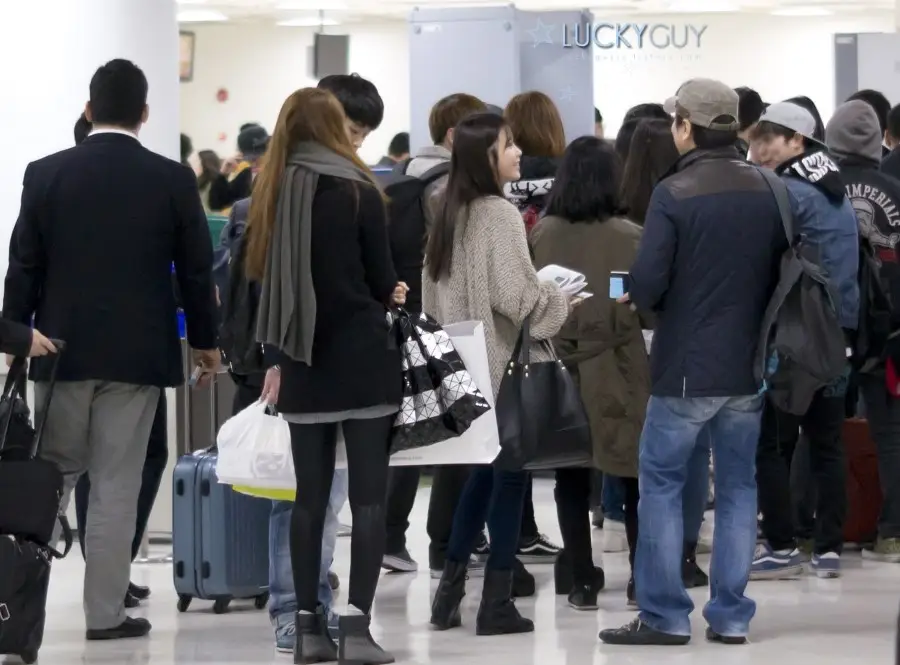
492,280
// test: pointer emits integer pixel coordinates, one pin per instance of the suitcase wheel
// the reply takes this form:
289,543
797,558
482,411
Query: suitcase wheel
221,605
29,657
261,601
184,602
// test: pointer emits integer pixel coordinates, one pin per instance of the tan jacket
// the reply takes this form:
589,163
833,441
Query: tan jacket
602,341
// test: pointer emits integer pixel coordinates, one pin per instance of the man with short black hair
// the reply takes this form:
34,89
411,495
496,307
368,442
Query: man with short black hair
891,163
707,265
398,152
750,107
824,217
362,104
90,260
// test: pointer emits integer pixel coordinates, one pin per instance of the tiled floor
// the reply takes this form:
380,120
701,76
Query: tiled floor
806,621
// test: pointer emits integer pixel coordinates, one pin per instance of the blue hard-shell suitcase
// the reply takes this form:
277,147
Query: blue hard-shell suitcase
220,539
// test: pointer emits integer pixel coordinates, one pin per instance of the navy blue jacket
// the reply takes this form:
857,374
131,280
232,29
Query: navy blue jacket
707,265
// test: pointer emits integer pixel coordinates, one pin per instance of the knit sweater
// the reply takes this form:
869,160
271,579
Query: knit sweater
492,280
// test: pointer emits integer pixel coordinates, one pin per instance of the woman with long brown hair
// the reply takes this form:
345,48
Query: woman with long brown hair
318,244
537,129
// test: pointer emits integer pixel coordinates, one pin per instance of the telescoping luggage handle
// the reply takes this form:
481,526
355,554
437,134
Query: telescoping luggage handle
15,383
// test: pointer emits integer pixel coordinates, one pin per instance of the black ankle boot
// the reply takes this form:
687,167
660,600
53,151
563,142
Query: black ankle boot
497,614
523,585
355,643
313,644
563,577
691,574
449,595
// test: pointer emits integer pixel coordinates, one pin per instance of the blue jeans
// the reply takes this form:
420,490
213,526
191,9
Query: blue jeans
282,598
669,443
496,497
612,499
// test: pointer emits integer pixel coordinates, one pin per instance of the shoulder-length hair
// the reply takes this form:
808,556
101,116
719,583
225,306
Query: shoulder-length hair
473,174
650,156
587,182
536,125
309,114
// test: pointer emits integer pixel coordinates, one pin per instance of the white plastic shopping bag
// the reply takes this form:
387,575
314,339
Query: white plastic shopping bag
255,450
480,444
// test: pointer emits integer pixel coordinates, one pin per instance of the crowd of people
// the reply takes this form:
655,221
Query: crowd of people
680,200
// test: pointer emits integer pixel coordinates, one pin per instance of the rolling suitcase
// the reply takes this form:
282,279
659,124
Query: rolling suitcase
220,539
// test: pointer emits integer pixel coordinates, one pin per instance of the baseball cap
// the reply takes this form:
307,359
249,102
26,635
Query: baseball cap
792,116
252,141
702,101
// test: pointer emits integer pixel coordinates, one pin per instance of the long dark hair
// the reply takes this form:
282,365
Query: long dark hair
473,174
651,154
210,167
587,182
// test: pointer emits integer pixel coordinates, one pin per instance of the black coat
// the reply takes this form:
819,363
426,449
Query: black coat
708,264
15,338
354,362
91,260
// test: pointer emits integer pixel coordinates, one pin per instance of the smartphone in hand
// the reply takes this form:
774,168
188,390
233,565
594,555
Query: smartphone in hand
195,376
618,284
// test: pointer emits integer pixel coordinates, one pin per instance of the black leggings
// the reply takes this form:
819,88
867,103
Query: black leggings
313,448
573,504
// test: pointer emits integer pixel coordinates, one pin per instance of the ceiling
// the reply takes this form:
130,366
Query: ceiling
332,12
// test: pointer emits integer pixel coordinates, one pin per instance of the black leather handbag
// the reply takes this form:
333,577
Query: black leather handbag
540,416
31,488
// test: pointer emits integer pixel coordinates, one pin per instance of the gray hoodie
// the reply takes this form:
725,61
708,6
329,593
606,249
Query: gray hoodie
425,160
854,130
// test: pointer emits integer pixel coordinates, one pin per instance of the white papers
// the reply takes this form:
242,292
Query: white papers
569,282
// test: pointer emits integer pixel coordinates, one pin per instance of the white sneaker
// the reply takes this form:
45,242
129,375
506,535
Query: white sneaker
614,536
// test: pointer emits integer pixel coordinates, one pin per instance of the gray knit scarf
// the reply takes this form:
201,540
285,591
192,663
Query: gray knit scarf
287,306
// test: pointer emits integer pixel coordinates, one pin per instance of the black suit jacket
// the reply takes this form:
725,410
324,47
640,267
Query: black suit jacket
91,258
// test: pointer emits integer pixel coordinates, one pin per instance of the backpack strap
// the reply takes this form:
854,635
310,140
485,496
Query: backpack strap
435,172
782,198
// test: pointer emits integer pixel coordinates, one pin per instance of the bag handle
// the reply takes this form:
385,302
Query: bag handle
18,367
783,200
67,538
13,385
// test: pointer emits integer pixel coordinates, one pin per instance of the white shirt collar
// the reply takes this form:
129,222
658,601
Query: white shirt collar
113,130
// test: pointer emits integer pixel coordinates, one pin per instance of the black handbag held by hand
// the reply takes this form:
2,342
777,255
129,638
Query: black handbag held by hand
541,418
31,488
440,399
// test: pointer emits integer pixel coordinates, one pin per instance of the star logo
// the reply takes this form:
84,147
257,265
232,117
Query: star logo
567,94
540,34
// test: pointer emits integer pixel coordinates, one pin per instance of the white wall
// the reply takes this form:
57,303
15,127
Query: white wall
260,65
780,57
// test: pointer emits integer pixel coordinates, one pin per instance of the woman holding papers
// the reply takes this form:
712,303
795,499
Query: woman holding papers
602,345
477,267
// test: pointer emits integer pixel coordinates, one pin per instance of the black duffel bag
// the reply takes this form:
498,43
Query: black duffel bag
31,488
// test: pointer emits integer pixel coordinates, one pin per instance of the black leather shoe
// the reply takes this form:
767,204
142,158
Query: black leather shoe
131,601
584,596
713,636
637,633
355,643
129,628
497,614
138,591
313,643
691,574
450,592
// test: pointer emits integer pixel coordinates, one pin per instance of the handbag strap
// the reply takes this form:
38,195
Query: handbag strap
522,349
68,539
45,407
782,199
12,387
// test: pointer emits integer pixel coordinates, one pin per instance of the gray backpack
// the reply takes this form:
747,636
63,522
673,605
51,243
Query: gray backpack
801,345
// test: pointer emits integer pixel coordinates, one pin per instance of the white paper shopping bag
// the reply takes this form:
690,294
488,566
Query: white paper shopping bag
480,444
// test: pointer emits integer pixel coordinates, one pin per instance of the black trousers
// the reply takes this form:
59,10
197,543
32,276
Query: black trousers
313,447
573,506
403,485
446,488
821,425
529,532
154,467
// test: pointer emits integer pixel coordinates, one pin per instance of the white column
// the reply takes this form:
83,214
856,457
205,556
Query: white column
50,49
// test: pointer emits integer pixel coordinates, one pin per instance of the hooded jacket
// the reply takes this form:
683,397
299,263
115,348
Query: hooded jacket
827,222
853,136
529,192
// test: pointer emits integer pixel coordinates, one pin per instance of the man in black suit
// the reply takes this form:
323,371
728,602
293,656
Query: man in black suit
90,260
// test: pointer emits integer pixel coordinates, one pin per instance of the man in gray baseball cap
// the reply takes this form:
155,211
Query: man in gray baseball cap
712,235
784,141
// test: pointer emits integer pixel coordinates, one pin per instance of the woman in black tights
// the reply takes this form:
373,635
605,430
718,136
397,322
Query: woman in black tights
318,244
603,346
